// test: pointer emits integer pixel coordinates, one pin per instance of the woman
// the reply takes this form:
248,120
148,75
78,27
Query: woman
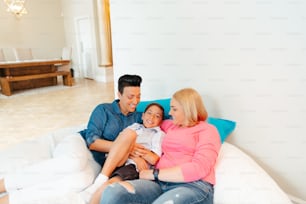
185,172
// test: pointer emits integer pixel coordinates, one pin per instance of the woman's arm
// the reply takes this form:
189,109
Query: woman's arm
146,154
151,157
140,163
173,174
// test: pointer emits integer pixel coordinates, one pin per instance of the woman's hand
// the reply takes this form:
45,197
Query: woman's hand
149,156
146,174
140,163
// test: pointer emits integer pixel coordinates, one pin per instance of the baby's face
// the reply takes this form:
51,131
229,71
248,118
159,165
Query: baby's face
152,117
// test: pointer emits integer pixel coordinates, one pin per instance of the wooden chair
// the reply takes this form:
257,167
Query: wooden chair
2,57
23,54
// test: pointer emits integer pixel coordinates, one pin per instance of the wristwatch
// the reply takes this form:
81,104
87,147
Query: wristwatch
155,174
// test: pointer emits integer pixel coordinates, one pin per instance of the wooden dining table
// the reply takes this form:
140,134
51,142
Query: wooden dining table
19,75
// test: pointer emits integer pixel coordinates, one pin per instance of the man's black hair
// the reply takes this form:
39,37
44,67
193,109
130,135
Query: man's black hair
128,80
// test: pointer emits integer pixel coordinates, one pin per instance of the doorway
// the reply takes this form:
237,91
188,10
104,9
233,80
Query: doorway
85,47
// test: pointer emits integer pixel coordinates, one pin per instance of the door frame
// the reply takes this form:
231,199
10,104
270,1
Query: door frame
79,47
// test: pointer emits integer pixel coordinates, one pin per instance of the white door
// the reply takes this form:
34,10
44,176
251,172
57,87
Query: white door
85,47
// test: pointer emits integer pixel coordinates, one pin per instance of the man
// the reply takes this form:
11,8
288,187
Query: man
107,121
77,158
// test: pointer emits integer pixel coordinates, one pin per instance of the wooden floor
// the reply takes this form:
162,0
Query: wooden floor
31,115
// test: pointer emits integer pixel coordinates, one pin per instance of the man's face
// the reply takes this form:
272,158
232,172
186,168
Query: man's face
129,99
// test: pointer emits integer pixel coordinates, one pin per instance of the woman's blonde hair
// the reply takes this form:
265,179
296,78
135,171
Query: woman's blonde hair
192,105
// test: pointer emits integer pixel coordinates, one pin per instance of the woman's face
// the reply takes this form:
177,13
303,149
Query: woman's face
152,117
177,113
129,99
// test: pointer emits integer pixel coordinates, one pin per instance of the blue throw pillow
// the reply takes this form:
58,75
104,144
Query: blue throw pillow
225,127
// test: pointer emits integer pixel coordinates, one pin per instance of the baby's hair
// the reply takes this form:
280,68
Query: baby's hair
158,105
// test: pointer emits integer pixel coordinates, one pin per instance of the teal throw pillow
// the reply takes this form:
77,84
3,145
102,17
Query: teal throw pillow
225,127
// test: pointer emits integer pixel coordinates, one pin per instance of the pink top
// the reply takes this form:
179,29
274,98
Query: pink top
194,149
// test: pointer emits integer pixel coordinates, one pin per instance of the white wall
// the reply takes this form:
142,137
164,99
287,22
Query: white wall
47,28
247,58
72,10
41,29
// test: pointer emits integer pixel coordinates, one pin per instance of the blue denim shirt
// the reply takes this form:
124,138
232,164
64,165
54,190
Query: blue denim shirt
106,122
